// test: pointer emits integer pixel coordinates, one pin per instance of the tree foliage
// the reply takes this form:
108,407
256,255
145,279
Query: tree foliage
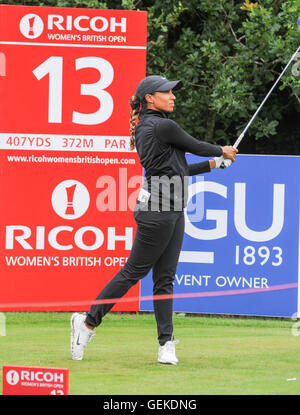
228,54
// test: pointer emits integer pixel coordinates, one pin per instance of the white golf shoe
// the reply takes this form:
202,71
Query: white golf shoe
166,353
80,336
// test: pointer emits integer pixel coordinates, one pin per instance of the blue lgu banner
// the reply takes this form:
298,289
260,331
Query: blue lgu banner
242,234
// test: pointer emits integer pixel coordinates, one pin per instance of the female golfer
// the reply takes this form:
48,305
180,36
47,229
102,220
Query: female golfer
161,145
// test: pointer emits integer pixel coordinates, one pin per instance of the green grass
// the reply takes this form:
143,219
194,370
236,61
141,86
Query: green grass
217,355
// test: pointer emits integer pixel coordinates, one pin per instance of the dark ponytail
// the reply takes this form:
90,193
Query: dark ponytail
135,105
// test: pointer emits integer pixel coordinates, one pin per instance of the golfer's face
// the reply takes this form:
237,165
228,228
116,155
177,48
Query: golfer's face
163,101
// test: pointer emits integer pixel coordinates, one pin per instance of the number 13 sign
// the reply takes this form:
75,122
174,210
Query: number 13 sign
69,71
54,68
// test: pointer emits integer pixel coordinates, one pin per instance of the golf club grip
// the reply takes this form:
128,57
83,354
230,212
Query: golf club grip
236,144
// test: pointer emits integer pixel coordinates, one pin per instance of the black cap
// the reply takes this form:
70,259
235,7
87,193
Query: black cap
156,83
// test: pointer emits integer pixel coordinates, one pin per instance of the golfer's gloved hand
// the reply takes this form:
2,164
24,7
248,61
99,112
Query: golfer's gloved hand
222,163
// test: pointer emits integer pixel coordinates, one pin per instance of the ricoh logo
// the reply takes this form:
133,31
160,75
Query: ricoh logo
86,23
70,199
32,26
13,377
65,238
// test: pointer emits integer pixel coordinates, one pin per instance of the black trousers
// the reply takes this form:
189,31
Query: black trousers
156,246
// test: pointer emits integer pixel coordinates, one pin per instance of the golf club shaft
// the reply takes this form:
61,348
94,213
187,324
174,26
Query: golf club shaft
241,136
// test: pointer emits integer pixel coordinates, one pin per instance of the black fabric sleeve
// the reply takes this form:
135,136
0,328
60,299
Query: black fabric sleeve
169,132
198,168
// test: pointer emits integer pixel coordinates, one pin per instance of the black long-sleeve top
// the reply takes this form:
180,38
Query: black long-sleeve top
161,145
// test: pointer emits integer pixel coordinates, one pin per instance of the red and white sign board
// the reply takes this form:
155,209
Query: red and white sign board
68,182
28,380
